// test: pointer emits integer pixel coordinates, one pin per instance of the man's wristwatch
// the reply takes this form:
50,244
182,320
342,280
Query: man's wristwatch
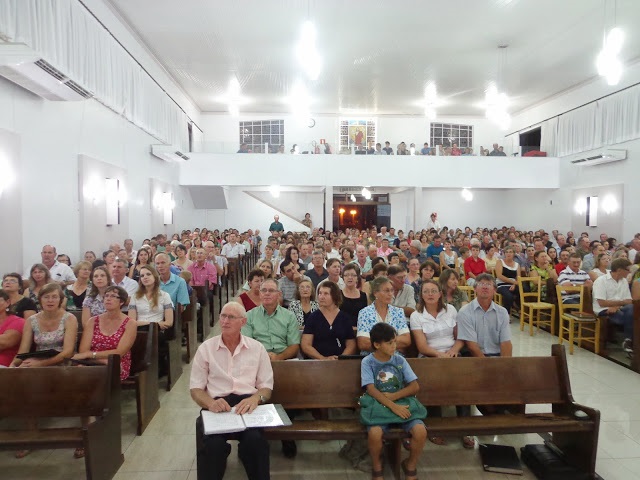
262,399
93,355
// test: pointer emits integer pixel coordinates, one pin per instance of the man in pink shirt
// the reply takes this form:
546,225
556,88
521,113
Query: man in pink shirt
231,370
201,270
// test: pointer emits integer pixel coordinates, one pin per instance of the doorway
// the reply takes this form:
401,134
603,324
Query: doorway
361,214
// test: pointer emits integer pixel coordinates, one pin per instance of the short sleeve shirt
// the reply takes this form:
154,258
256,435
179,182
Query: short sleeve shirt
438,330
148,313
368,317
488,329
371,364
276,331
329,339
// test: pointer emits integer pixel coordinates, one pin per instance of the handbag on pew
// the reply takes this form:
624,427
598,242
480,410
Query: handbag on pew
388,379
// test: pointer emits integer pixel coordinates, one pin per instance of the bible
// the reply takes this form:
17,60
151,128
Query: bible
500,459
230,422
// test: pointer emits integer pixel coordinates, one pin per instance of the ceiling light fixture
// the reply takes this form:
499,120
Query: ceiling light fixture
275,191
466,194
608,63
352,197
307,53
366,193
233,97
496,102
299,100
430,101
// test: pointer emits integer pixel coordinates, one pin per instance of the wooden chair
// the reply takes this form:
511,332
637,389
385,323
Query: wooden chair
575,322
470,291
532,309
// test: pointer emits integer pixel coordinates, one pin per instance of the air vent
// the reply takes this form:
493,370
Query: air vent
47,67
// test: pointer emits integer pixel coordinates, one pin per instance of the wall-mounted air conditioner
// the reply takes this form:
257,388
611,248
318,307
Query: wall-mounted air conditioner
168,153
598,158
28,69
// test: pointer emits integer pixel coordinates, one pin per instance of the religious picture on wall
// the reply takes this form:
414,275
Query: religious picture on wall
356,133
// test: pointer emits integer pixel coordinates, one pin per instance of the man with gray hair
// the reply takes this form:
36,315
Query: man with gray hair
231,370
415,251
484,325
119,278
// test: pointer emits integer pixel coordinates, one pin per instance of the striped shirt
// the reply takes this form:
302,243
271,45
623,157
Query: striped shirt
568,276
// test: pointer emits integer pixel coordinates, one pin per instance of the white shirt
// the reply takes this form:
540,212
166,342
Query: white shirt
435,225
606,288
439,330
232,251
144,310
333,254
130,285
60,272
340,284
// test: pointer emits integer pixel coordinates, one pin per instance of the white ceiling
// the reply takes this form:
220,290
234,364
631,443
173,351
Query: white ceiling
378,55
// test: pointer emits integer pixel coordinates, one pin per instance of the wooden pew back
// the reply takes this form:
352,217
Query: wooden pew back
69,391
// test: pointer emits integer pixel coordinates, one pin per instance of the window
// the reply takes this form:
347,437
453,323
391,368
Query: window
356,132
446,134
258,132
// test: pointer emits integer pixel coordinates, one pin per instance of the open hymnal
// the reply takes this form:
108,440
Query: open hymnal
229,422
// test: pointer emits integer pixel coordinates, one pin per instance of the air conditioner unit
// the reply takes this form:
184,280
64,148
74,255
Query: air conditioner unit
598,158
29,70
168,153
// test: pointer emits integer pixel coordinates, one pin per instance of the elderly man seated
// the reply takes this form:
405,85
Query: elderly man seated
231,370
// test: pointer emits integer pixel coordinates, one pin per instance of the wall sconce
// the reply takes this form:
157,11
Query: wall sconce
112,200
93,190
609,204
168,205
8,176
580,206
592,211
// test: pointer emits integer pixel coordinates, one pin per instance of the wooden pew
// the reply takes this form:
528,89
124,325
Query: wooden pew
175,349
69,391
143,377
190,326
205,310
513,381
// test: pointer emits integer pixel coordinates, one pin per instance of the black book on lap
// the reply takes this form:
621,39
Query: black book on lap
500,459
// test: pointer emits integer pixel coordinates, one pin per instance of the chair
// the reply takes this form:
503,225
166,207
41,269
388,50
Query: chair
532,309
576,324
471,293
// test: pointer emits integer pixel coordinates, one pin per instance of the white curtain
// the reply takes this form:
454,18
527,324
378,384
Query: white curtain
619,117
70,38
549,136
577,130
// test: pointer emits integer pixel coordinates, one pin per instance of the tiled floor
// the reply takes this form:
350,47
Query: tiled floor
166,451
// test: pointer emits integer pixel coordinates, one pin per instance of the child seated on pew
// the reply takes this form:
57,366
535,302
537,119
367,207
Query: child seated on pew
387,377
187,275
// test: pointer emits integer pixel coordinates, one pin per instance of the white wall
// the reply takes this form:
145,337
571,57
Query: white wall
245,211
222,134
52,135
10,202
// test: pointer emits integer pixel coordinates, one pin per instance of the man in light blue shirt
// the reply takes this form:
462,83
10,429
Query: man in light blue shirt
484,325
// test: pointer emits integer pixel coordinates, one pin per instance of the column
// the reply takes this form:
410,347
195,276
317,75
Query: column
418,210
328,207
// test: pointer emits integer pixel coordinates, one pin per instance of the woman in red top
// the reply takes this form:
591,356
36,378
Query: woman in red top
11,328
111,333
251,298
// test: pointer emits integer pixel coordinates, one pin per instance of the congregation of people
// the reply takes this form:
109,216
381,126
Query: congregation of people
318,295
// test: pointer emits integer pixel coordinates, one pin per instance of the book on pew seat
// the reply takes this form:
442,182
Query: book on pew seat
230,422
500,459
41,354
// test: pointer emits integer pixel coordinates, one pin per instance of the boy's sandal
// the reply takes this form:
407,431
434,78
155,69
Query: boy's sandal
22,453
408,473
377,474
78,453
438,440
468,442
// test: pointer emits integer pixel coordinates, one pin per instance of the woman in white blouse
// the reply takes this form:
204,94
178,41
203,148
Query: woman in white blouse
434,330
152,305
